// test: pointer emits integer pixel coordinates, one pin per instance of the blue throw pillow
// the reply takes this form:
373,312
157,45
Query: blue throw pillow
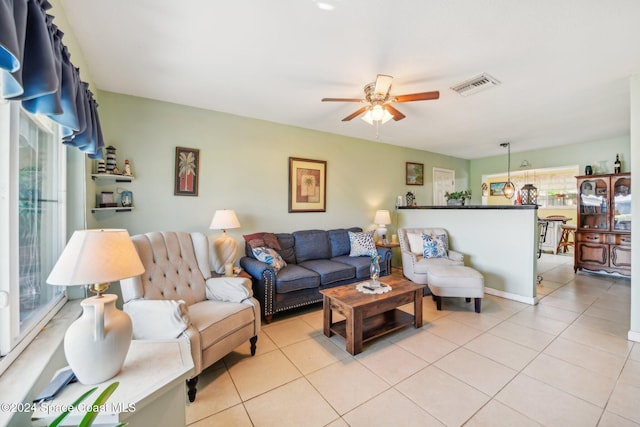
362,244
270,257
433,247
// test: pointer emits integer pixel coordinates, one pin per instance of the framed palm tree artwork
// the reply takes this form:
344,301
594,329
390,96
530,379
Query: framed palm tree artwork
307,185
187,172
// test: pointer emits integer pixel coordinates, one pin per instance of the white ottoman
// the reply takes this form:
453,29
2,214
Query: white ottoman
456,281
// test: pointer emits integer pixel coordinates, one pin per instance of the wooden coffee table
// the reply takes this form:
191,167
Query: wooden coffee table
369,316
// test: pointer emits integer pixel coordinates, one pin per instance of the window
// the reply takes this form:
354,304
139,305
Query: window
557,187
32,216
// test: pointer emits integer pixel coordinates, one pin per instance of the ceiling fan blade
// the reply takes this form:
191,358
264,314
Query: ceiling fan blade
422,96
341,100
397,115
383,84
356,114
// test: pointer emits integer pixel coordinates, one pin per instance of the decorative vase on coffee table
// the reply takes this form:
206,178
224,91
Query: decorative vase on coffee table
374,271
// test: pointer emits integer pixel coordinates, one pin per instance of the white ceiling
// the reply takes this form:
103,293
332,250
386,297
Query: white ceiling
564,66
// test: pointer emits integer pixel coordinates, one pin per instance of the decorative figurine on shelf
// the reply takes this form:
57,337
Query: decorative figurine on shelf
127,169
111,159
101,166
411,198
588,170
617,166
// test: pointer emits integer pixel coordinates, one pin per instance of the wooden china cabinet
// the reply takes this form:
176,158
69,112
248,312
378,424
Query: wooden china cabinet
603,234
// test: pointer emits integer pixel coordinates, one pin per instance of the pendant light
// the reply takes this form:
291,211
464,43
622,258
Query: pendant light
509,189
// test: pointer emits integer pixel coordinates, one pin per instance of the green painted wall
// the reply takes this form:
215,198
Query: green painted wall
583,154
244,166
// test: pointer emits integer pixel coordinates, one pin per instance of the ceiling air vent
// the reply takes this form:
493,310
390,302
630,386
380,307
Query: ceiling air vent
476,84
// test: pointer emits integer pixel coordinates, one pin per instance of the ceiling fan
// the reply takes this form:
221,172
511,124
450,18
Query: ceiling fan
379,100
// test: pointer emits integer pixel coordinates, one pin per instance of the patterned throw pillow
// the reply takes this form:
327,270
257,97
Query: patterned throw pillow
270,257
362,244
433,247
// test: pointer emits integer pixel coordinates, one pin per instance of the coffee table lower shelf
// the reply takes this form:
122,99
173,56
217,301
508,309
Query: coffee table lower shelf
378,325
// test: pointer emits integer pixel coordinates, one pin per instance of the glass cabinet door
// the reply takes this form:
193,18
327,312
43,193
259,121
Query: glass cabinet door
594,197
621,203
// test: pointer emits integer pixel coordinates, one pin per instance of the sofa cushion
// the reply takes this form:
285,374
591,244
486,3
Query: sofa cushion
339,241
287,245
362,244
311,244
433,247
269,256
360,263
293,278
330,271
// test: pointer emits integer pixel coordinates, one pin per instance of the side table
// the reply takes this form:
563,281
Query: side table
390,246
242,274
152,390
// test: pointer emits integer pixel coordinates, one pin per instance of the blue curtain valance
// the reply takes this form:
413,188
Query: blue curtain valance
36,69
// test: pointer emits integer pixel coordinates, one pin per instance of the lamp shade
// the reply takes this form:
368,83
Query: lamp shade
96,256
224,219
382,217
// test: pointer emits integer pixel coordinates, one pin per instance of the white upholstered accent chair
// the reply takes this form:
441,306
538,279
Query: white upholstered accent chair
176,297
415,266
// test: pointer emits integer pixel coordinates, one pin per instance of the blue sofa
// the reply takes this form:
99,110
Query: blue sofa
316,259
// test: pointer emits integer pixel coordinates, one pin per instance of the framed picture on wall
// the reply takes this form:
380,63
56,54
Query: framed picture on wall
414,173
496,188
187,171
307,185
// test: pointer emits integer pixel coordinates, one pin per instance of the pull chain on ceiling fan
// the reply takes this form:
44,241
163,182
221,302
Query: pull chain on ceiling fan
378,99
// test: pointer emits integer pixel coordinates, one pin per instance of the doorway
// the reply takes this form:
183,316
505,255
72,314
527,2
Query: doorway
443,182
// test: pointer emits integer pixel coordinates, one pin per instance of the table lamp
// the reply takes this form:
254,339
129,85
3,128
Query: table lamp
382,218
225,248
97,343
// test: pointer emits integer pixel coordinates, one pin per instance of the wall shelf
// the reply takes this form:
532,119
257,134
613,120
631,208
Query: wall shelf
111,177
116,209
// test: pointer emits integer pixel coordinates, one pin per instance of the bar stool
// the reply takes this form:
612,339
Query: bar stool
567,238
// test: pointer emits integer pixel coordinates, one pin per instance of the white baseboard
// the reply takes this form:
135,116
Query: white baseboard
509,295
633,336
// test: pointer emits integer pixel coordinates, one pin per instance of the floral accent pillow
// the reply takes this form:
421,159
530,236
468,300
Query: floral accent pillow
362,244
270,257
433,247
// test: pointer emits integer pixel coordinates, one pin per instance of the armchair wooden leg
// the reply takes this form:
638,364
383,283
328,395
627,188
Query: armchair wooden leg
268,318
478,302
191,388
253,341
438,303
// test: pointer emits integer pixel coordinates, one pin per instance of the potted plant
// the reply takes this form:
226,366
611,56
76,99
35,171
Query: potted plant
457,198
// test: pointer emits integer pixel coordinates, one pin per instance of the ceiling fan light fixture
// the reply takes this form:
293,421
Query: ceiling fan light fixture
377,114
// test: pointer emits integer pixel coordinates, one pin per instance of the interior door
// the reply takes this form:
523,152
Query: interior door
443,182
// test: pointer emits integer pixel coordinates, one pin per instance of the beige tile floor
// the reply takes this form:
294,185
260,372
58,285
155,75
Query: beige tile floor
563,362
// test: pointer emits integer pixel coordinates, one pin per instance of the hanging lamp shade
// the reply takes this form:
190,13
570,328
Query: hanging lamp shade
509,189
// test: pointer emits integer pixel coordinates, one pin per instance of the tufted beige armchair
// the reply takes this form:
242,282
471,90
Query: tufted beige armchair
176,297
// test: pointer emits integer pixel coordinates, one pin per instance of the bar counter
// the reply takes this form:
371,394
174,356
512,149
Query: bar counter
500,241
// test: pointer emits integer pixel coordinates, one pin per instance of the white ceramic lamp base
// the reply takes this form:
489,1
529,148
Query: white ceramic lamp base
225,251
382,232
97,343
